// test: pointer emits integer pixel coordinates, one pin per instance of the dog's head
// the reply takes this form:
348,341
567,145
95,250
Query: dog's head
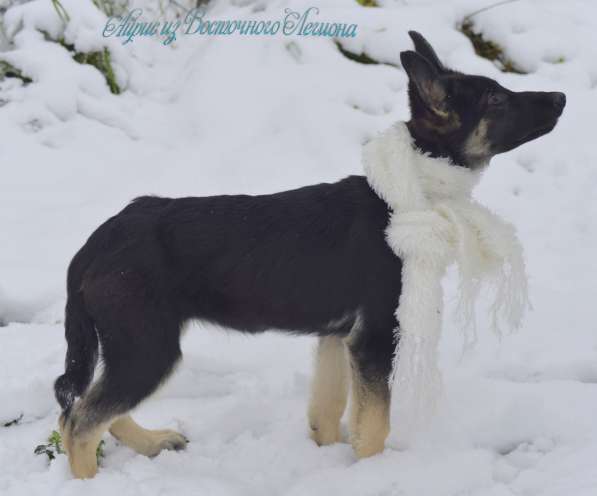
469,119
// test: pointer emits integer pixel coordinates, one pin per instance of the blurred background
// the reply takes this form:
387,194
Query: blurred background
87,123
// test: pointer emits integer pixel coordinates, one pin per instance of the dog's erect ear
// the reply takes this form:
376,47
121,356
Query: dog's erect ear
423,47
426,81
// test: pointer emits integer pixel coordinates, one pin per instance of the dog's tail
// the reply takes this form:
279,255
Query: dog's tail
82,345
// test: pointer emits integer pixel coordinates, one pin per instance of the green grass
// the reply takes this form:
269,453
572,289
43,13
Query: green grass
488,49
111,8
103,63
13,422
61,11
8,70
361,58
53,447
100,59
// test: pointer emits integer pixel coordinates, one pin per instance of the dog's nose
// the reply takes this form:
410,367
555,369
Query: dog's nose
559,100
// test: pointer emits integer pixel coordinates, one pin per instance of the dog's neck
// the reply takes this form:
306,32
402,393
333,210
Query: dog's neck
405,176
431,143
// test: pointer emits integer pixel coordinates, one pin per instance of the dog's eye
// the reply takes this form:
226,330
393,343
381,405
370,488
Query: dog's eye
496,99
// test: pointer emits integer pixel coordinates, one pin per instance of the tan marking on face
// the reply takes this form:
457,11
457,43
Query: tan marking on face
448,122
329,390
476,146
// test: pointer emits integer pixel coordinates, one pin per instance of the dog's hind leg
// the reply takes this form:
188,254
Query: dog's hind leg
329,390
144,441
80,440
140,347
371,363
119,390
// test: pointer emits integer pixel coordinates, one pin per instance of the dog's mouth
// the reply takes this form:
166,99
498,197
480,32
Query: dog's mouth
536,133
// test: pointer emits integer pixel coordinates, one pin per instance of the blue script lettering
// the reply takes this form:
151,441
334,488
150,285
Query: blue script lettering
293,23
191,17
169,30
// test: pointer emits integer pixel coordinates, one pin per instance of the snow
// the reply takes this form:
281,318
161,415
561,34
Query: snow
255,114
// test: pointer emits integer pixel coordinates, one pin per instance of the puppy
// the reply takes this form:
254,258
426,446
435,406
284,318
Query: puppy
312,261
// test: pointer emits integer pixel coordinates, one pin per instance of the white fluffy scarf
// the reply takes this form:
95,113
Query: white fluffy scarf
435,222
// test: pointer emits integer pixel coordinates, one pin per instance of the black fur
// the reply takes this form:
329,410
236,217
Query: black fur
302,261
312,260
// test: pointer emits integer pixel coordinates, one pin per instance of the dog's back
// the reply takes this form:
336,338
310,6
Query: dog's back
251,262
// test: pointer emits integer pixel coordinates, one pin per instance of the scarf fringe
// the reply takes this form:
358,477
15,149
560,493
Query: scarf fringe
434,223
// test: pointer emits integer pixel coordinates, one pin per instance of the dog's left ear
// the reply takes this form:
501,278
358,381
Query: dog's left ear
424,48
426,81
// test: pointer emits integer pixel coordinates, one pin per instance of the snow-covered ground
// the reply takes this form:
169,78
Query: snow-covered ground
209,115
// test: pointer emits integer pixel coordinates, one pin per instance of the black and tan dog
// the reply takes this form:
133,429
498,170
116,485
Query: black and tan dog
312,261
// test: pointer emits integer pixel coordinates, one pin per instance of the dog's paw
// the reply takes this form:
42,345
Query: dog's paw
167,440
326,436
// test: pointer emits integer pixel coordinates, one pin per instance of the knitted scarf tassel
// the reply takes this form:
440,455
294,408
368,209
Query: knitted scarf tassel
435,222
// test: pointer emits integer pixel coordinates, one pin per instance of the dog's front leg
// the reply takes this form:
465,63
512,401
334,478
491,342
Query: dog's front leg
371,362
329,391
